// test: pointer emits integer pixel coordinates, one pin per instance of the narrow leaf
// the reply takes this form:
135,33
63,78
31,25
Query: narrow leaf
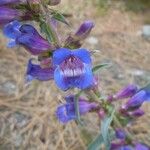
96,143
60,18
48,32
105,130
101,66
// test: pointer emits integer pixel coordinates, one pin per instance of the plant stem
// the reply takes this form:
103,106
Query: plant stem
118,124
54,37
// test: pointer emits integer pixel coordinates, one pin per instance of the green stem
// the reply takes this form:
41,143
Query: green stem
77,108
52,35
118,124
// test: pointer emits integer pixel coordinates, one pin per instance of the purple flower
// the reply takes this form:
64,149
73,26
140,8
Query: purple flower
7,15
75,40
140,146
27,36
137,100
136,113
67,112
84,30
35,72
4,2
73,68
120,134
126,92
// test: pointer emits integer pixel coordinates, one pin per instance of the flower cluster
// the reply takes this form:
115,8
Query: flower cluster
70,66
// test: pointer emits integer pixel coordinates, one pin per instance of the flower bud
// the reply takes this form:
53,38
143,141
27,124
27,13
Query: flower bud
75,40
7,15
120,134
136,113
126,92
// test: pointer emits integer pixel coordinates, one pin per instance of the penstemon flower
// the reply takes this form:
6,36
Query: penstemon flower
73,68
27,36
138,99
36,72
75,40
67,112
70,66
8,14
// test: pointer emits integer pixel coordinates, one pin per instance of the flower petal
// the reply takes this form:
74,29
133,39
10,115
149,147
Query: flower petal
28,29
83,55
60,55
34,71
59,80
11,43
35,45
140,146
137,100
85,80
11,30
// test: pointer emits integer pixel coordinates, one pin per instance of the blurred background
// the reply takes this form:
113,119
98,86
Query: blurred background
121,37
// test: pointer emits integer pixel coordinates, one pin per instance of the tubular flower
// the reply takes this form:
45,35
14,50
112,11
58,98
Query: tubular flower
73,68
140,146
120,134
8,14
67,112
35,72
137,100
126,92
27,36
81,34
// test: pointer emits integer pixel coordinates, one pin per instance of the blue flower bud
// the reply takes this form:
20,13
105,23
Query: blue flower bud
140,146
75,40
35,72
66,112
120,133
137,100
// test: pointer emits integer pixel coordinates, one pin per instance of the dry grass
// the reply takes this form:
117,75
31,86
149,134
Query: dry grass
27,112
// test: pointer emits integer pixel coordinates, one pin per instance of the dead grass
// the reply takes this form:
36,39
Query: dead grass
27,112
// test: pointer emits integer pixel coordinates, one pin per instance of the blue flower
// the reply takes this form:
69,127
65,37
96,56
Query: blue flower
120,133
140,96
140,146
67,112
27,36
73,68
35,72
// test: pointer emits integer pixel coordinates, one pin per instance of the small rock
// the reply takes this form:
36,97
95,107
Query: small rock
92,40
8,87
146,31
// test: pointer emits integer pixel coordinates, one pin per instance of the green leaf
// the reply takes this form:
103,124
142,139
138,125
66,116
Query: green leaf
105,129
101,66
96,143
77,107
60,17
48,32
